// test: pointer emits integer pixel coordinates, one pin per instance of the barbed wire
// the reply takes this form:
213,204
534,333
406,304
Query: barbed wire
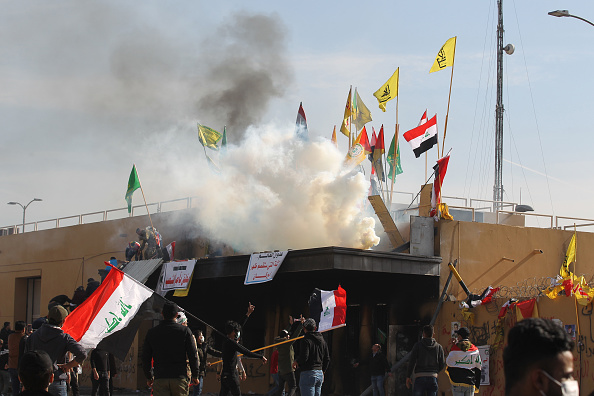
528,288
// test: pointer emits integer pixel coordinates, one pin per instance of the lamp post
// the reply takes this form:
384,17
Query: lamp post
565,13
24,208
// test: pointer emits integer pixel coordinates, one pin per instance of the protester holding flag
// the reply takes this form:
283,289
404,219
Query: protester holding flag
313,360
229,376
286,356
167,345
51,339
464,365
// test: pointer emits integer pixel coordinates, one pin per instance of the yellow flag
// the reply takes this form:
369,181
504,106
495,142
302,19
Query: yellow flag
345,128
388,91
445,56
569,258
334,137
361,114
357,153
208,137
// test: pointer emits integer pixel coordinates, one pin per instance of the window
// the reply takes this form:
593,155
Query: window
33,299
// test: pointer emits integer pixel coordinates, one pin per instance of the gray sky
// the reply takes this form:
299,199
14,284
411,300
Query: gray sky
90,88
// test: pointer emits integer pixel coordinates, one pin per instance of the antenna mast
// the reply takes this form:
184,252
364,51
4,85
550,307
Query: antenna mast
498,186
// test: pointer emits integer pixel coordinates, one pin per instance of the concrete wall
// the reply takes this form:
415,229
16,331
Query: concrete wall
485,253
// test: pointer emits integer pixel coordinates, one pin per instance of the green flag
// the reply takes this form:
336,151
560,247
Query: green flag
133,185
395,167
208,137
224,140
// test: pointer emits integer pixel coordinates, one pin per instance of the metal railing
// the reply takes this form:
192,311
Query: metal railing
174,204
156,207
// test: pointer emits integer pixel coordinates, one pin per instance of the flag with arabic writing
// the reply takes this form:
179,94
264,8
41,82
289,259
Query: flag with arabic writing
109,318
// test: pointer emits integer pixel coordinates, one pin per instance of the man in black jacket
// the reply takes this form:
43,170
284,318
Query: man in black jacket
168,345
229,377
427,359
378,367
51,338
313,360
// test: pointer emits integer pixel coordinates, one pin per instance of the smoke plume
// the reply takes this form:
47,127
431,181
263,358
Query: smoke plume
276,192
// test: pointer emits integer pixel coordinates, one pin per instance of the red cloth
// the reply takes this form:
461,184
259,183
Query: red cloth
274,362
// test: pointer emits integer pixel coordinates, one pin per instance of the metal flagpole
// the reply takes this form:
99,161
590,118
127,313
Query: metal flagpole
282,342
395,146
445,128
145,204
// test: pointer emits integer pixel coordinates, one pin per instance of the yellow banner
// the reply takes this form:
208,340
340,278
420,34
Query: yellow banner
345,128
445,56
388,91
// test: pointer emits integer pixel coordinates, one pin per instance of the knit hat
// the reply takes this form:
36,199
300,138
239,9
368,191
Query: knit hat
309,324
57,314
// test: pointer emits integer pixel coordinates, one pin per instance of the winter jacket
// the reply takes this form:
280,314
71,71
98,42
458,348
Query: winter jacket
56,343
229,355
427,356
286,353
313,352
378,365
203,350
169,345
464,365
14,341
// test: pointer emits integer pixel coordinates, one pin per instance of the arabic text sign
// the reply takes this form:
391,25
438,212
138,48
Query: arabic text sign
484,351
263,266
177,274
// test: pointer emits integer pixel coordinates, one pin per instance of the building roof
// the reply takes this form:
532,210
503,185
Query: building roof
142,269
324,259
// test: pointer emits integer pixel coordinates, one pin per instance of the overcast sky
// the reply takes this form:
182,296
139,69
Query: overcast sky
88,89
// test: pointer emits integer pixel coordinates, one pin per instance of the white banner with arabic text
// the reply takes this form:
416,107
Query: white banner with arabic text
263,266
177,274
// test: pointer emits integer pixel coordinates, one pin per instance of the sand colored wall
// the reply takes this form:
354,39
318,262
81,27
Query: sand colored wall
65,258
483,333
485,251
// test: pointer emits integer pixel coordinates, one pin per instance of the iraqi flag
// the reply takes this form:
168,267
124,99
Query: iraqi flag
109,318
423,137
328,308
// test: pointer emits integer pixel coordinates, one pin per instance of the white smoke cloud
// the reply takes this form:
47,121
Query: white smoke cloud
277,192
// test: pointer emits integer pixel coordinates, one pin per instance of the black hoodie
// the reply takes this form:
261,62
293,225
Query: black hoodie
313,352
56,343
426,357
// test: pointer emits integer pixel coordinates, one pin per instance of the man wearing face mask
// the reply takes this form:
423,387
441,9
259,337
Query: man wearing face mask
229,377
537,360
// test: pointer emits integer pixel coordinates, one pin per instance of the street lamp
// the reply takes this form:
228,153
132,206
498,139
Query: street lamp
25,208
565,13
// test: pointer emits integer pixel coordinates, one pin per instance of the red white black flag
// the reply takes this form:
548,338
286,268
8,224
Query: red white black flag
423,137
328,308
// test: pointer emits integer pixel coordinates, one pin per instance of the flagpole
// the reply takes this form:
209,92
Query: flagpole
426,163
395,146
577,317
351,119
282,342
445,128
438,199
145,204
